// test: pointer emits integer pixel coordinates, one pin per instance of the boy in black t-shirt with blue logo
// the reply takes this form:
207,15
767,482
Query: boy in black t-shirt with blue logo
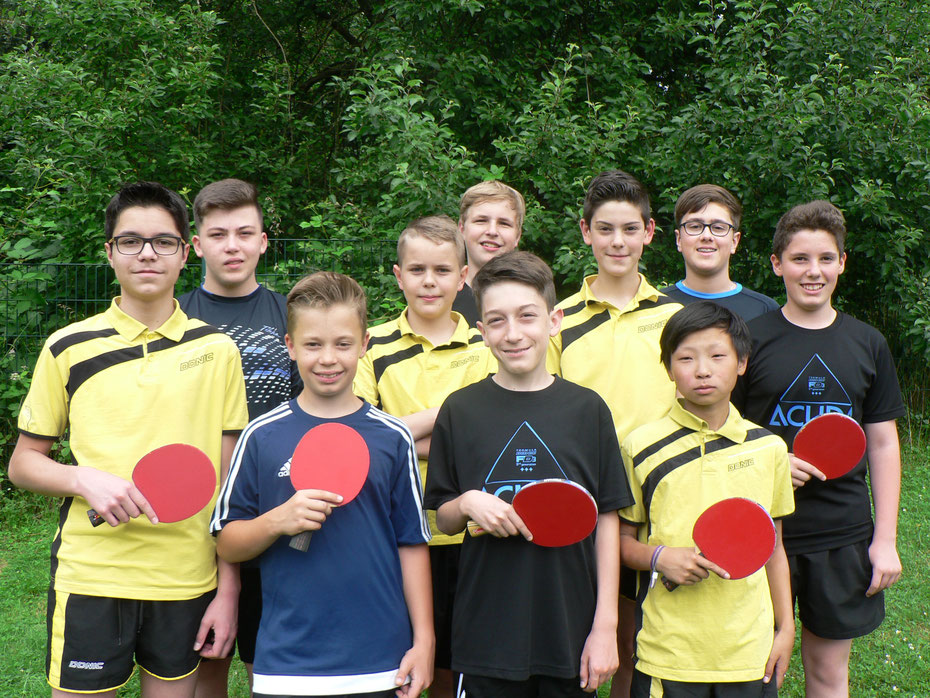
808,359
528,620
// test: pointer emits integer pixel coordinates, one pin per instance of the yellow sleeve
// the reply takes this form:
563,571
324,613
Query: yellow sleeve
235,408
636,513
783,491
364,384
44,412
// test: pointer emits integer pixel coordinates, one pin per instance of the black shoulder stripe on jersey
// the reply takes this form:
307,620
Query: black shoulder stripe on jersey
661,300
578,331
578,307
476,339
758,433
78,338
655,477
83,370
386,339
381,364
654,448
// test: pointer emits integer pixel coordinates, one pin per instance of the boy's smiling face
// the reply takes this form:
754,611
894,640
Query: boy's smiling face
705,367
489,229
326,344
430,276
517,325
810,266
617,236
706,254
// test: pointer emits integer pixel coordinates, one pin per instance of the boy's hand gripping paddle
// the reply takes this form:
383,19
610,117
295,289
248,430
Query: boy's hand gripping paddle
737,534
833,443
331,457
177,480
557,512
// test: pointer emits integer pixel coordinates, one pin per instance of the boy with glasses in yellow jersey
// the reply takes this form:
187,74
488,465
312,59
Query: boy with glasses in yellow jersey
120,384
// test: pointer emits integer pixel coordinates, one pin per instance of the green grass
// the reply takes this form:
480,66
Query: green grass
889,662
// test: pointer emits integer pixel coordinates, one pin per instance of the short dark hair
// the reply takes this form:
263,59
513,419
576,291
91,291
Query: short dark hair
324,289
702,315
616,185
147,194
518,266
697,197
226,195
814,215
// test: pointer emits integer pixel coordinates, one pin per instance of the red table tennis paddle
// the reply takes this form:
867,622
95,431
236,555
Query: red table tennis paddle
177,480
737,534
557,512
332,457
833,443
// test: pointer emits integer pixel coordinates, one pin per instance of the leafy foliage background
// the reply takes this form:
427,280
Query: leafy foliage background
354,116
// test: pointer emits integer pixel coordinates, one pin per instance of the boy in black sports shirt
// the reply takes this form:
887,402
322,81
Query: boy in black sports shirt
808,359
230,240
528,620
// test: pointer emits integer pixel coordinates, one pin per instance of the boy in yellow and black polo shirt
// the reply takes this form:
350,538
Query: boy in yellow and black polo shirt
610,335
139,376
701,452
412,364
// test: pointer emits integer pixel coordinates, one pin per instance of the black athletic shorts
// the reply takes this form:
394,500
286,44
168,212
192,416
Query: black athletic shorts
471,686
377,694
645,686
830,590
444,562
95,642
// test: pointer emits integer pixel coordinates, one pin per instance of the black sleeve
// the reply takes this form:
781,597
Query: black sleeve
441,481
883,400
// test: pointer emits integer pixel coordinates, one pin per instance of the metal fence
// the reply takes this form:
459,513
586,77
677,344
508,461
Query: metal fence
37,299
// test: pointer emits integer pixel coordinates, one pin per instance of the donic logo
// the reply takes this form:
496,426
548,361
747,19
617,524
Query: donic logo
815,391
525,458
196,362
91,666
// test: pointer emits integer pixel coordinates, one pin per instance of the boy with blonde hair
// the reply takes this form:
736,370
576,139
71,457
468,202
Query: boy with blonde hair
366,625
412,364
491,221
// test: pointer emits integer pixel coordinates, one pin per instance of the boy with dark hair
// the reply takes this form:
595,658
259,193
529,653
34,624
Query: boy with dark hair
707,233
809,359
610,336
412,364
142,593
491,221
552,612
230,240
700,453
366,625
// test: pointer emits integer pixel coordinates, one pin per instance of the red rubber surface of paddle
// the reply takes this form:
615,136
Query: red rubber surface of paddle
332,457
557,512
178,481
737,534
833,443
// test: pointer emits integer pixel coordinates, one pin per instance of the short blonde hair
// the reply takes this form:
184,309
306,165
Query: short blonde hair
493,190
438,229
324,289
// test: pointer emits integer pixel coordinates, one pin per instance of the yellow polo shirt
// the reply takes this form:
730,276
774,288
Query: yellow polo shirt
118,390
403,373
615,352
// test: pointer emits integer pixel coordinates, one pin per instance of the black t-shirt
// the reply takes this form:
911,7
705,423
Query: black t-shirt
521,609
466,306
257,324
796,374
742,301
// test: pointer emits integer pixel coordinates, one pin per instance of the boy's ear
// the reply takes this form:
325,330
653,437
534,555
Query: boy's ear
364,344
678,239
555,322
650,231
463,277
400,284
842,263
737,236
289,343
585,232
108,250
264,243
776,265
741,366
195,243
484,334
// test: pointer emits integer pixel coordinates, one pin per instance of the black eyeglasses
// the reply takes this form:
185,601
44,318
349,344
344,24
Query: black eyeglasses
718,229
163,245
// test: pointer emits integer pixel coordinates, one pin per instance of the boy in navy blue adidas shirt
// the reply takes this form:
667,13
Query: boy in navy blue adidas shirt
365,626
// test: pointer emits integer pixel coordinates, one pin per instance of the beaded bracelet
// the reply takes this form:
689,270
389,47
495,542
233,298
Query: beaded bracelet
652,565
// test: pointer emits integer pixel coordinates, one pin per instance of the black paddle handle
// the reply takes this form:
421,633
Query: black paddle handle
301,541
